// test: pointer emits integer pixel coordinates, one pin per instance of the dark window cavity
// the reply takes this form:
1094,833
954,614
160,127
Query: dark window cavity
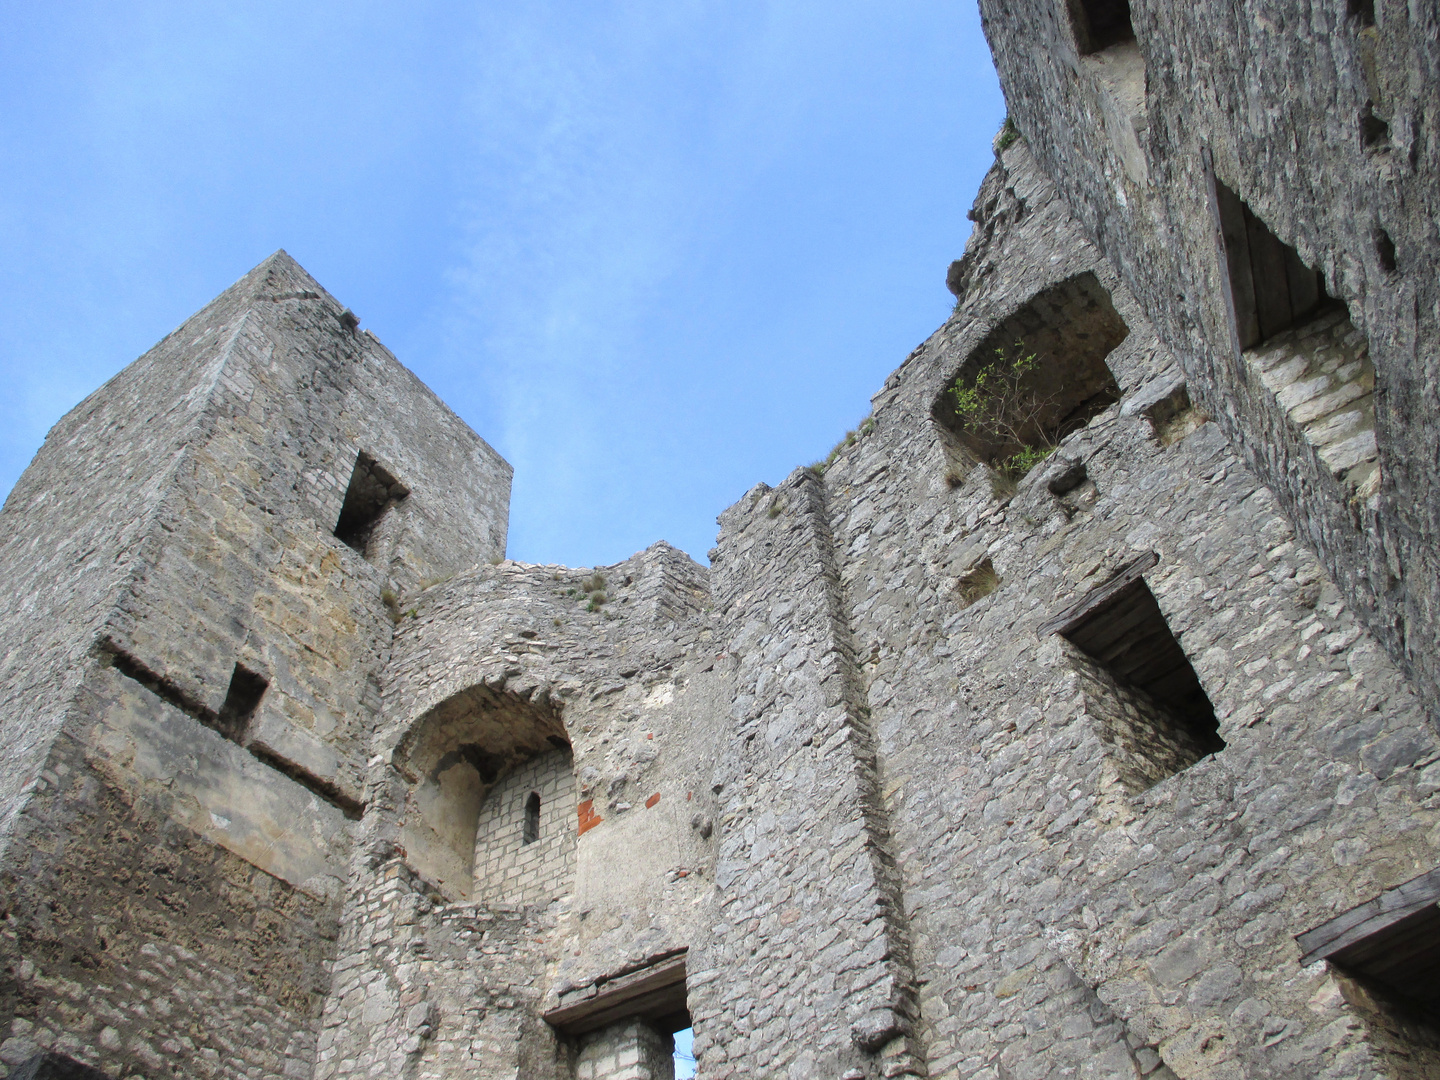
1139,685
372,491
1362,11
1272,288
1100,24
531,831
1391,945
242,701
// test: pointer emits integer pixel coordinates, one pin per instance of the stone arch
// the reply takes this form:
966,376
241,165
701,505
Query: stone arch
460,754
1067,329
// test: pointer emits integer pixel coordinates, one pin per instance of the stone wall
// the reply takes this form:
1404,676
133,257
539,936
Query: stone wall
1315,115
629,1051
809,947
1029,867
425,989
863,782
512,868
147,949
214,679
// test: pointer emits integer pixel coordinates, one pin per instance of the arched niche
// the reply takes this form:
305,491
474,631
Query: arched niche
454,757
1065,333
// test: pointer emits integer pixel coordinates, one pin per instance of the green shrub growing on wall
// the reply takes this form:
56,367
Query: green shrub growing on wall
998,405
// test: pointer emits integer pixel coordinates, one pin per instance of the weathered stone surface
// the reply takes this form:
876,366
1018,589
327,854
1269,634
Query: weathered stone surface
290,803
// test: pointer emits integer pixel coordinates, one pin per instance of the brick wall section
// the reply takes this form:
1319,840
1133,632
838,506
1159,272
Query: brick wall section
507,869
628,1051
1276,102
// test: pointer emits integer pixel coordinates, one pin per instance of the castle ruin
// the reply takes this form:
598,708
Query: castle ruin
1125,767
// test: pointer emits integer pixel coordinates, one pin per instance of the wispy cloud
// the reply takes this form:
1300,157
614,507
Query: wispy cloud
653,251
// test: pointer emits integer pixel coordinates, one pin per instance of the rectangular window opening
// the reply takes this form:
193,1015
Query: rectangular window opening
372,491
1139,684
1300,343
242,701
1099,24
1388,948
1272,288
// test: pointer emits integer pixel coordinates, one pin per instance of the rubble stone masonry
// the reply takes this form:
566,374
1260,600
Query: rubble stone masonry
936,770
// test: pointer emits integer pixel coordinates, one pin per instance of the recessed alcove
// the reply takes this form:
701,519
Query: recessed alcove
1069,329
1299,342
242,701
1139,685
372,491
486,769
1386,954
1271,287
1100,24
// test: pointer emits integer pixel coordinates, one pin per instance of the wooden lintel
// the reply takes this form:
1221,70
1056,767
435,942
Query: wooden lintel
653,992
1349,927
1100,596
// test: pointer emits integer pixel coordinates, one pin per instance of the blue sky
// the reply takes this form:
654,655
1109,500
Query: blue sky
654,252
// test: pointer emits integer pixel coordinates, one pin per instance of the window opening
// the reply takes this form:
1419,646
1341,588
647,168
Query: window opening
1100,24
1362,11
1390,945
1272,287
684,1053
1139,684
978,582
531,831
372,491
242,701
1039,375
1301,345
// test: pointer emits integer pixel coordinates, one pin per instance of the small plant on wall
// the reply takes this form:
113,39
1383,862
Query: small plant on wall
999,404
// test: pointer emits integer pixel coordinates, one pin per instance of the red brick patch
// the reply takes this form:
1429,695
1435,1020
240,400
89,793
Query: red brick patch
588,818
652,800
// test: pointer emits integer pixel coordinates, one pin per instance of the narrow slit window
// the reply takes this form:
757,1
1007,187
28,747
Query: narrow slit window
1139,685
242,701
531,829
372,491
1099,24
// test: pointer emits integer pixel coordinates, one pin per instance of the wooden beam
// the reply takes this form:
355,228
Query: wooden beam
1353,926
1099,597
655,991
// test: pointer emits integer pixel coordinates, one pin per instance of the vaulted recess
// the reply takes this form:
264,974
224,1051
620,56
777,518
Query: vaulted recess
1068,329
